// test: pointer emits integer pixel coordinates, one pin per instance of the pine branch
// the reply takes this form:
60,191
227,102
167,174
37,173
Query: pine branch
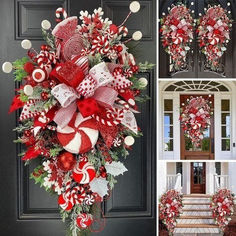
142,98
49,38
143,67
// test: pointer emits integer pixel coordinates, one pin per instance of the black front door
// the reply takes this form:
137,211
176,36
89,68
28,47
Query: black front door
25,208
196,60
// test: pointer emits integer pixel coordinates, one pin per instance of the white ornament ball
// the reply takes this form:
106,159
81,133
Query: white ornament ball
137,35
229,12
28,90
192,11
192,3
129,140
228,4
134,6
200,14
131,102
46,24
143,82
26,44
7,67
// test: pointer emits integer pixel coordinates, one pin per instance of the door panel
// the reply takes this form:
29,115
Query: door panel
196,68
198,177
206,149
26,209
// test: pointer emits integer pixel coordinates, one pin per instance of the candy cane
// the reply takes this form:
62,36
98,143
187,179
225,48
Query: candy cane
124,30
123,103
119,115
60,12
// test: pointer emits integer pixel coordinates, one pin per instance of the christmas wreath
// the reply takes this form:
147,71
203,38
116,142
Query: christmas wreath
177,34
222,207
214,35
170,209
78,98
195,118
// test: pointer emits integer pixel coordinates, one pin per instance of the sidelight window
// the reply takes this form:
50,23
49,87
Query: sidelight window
225,125
168,125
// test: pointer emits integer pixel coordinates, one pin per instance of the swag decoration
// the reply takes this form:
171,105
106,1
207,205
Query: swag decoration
195,118
222,207
214,35
177,34
170,208
78,97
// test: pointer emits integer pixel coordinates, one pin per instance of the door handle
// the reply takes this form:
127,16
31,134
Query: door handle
212,145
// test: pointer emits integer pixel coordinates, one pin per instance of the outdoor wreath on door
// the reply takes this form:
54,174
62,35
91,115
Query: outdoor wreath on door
78,102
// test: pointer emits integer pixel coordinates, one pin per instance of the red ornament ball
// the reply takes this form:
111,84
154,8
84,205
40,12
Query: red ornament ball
29,67
119,48
27,133
84,220
44,95
45,47
134,68
66,161
113,28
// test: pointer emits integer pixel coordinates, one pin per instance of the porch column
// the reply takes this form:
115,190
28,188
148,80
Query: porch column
210,171
176,125
162,172
186,178
232,176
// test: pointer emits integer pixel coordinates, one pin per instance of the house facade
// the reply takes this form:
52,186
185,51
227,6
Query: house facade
196,177
219,139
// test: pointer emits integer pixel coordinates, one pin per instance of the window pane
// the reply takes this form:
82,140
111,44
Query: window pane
225,144
225,118
168,105
168,119
168,132
225,105
168,145
225,131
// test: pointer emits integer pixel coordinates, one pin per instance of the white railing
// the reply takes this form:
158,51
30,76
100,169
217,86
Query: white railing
221,181
174,182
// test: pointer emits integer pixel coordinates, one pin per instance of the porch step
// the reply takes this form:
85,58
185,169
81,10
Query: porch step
197,232
196,203
196,226
192,209
196,221
197,196
195,217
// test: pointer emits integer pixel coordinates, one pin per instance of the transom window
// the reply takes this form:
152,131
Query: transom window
199,85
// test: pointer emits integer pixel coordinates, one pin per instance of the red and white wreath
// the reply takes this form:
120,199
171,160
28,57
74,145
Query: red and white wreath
177,34
195,118
170,209
214,34
78,98
222,207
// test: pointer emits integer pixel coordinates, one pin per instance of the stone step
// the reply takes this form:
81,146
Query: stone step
197,200
193,209
197,231
196,213
200,207
197,196
196,221
195,217
197,226
196,203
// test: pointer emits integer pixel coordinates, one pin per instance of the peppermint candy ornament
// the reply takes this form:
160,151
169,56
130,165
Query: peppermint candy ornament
83,173
80,135
84,220
89,200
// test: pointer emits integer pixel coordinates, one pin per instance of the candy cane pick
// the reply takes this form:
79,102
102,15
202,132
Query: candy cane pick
60,12
124,30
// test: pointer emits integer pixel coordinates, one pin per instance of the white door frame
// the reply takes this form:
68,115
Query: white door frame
175,96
